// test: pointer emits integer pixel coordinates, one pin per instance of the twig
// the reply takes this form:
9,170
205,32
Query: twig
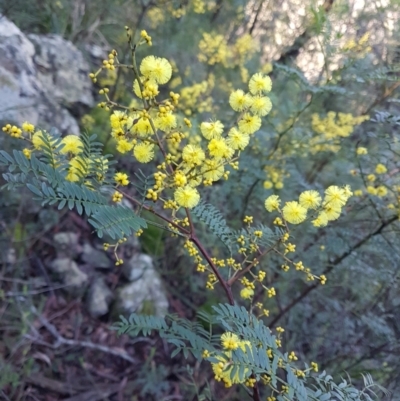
256,393
224,284
241,273
330,267
60,340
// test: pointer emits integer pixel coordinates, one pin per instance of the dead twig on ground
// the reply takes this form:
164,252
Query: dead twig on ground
60,340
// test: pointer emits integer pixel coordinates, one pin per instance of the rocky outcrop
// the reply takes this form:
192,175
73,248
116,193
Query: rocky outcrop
43,80
145,287
85,270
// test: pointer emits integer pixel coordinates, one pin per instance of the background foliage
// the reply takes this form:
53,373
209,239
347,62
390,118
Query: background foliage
323,56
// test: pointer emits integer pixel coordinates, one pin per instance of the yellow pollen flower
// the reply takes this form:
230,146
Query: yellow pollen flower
310,199
211,129
249,124
166,122
72,144
180,179
142,127
381,191
218,148
121,178
193,155
272,203
230,341
335,196
124,146
332,212
38,139
321,220
144,152
294,213
157,69
212,170
246,293
239,100
187,197
28,127
259,84
261,106
237,140
362,151
380,169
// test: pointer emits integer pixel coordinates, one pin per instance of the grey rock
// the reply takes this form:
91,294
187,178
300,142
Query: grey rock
136,266
67,238
95,53
99,298
147,287
95,258
62,70
43,80
11,257
66,244
70,274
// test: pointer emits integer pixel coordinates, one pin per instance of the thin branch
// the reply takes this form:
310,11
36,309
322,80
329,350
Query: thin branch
330,267
241,273
60,340
151,210
224,284
256,393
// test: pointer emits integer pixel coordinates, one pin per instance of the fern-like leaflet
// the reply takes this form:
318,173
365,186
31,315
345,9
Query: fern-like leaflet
214,220
185,335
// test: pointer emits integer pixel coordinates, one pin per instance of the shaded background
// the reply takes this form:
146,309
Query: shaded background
60,292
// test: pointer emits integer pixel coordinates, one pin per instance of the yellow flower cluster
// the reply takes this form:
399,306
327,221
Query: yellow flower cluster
329,208
214,49
69,150
197,97
331,128
15,131
360,47
224,368
275,176
189,165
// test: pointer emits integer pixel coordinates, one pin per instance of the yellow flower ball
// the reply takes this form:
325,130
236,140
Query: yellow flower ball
144,152
187,197
249,124
261,106
219,149
212,129
124,146
272,203
142,127
362,151
260,84
230,341
332,211
193,155
28,127
156,69
237,140
239,100
380,169
335,196
246,293
166,122
294,213
321,220
121,179
310,199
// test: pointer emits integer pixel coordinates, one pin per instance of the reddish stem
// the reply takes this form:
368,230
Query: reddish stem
224,284
181,229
